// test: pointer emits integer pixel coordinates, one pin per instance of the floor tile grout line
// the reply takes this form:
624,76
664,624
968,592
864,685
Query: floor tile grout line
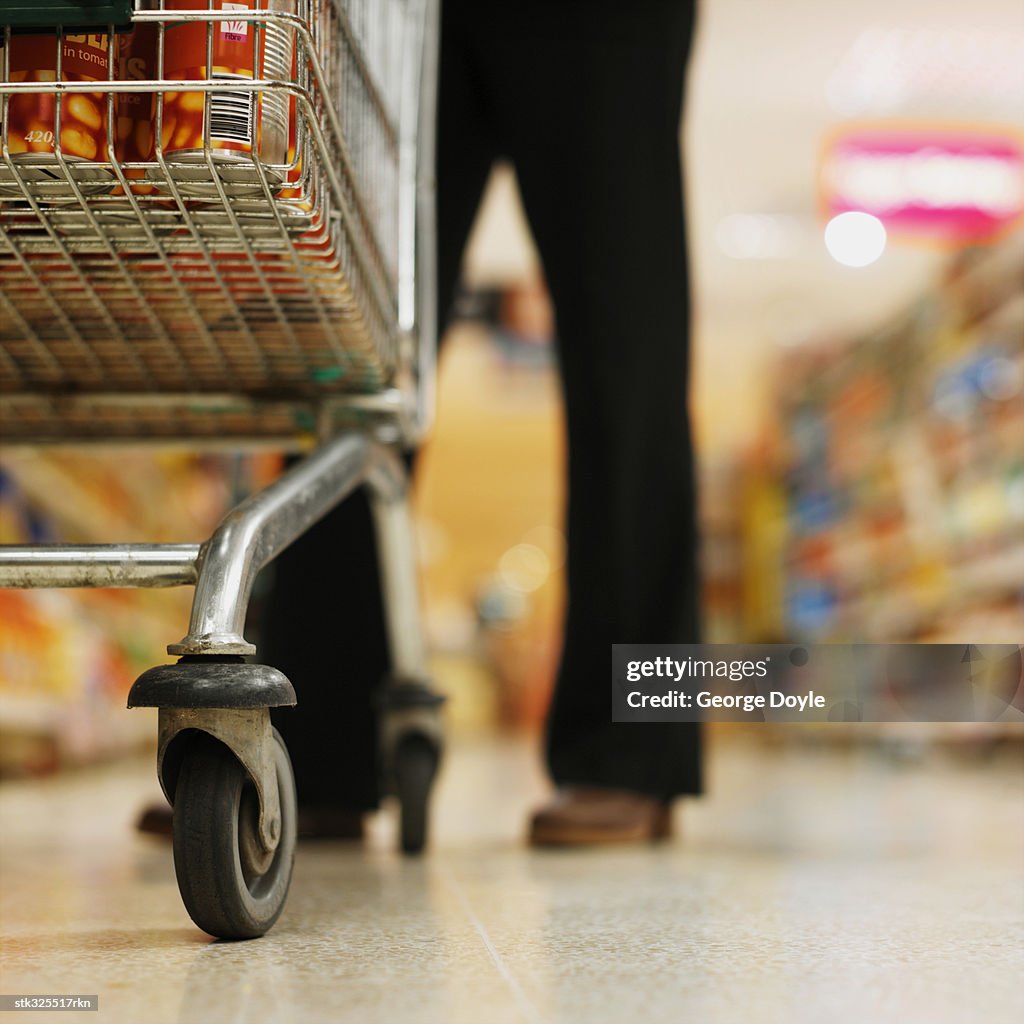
524,1001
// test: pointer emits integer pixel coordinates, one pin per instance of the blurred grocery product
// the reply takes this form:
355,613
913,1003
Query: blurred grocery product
897,471
68,657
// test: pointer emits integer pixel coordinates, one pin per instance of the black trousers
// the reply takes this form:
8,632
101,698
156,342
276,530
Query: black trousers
585,99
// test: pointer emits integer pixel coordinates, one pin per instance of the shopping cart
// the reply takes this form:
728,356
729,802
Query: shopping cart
278,287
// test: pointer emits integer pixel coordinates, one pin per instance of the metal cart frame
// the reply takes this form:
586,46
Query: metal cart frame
219,762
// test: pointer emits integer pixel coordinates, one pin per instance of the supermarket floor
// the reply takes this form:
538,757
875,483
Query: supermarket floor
815,886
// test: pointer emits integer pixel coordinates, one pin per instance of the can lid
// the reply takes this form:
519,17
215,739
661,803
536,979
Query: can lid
48,14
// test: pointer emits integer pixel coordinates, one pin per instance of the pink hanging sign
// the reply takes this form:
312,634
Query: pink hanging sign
957,185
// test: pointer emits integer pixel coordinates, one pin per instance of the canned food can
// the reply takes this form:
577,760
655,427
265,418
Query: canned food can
136,111
36,139
233,128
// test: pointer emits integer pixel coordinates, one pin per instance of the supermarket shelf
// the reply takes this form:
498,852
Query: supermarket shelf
899,470
48,14
992,574
30,713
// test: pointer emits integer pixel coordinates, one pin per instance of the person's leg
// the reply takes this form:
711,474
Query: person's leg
590,98
326,633
323,622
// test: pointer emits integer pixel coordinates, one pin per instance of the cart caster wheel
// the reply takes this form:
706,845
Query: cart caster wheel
415,761
230,886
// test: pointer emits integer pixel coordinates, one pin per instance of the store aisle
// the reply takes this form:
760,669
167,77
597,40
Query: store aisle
813,886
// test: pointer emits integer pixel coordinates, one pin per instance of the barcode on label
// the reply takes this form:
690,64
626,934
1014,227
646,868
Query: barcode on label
231,114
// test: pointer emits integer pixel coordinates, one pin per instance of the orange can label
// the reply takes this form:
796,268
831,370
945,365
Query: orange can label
233,49
31,118
137,56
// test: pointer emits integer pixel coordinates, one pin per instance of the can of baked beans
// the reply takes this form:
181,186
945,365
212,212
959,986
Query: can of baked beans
33,132
235,127
136,111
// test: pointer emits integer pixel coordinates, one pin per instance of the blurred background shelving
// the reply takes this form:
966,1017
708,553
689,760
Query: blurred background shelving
897,459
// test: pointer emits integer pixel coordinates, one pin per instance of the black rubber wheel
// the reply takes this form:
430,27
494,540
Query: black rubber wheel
231,888
415,762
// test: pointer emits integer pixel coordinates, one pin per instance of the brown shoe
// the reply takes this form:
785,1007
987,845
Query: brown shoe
328,821
581,815
156,820
315,822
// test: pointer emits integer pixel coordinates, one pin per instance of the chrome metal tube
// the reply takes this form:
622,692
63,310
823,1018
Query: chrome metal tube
99,565
397,553
257,531
428,325
417,276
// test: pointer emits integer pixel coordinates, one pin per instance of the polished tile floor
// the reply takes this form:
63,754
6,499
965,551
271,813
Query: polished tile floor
813,886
